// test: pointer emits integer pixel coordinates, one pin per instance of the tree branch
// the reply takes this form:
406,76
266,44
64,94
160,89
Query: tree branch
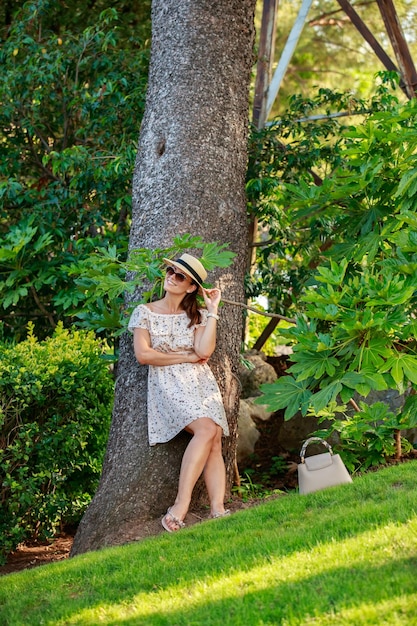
259,312
41,307
355,406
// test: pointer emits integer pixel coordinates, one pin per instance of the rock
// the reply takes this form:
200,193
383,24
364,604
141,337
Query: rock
258,410
260,373
295,431
248,434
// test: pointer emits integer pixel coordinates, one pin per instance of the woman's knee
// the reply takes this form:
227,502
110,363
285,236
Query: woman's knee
205,427
217,445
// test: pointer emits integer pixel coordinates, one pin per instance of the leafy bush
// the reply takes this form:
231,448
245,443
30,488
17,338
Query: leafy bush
370,436
358,332
293,161
55,409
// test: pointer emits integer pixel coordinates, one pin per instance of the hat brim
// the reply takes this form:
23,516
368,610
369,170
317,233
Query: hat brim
184,270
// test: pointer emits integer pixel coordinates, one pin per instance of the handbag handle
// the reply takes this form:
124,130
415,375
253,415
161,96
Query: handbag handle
310,440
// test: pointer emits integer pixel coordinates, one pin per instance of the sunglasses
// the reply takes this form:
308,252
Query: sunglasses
171,271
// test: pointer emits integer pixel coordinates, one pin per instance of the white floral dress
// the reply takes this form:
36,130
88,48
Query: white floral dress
177,394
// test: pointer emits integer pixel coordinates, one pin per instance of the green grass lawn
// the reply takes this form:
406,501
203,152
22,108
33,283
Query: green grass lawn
347,555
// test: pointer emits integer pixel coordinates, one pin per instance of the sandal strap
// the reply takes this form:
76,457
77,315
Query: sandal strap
224,514
177,521
170,519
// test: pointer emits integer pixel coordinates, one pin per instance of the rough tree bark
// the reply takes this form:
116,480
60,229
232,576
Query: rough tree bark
189,177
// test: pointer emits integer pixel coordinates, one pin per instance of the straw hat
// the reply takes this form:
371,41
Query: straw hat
191,266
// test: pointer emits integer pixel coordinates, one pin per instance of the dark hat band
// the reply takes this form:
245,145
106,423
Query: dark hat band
190,269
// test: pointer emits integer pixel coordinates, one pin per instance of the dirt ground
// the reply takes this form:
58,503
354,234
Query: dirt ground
34,554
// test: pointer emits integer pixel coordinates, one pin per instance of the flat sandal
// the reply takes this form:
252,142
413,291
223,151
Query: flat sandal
218,515
174,520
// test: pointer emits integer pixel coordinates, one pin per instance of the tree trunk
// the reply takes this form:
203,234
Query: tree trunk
189,178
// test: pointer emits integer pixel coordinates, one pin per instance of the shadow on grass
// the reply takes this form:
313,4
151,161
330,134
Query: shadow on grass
321,596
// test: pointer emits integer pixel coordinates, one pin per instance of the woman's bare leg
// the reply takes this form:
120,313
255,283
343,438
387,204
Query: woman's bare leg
215,475
195,457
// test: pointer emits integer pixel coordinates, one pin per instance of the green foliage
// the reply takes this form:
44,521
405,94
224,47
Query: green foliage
55,409
70,112
103,279
292,167
248,489
358,330
366,438
134,17
258,481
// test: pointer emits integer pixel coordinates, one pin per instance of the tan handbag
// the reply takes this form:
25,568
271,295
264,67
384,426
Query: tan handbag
320,470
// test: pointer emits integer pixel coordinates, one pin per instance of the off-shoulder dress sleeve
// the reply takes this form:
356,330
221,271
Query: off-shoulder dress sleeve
139,318
203,318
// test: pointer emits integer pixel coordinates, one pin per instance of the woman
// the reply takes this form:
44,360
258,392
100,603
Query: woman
176,339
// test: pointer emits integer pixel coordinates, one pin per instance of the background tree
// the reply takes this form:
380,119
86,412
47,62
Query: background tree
189,177
58,18
331,53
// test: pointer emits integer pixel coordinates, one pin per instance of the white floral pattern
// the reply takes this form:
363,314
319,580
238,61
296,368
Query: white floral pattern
177,394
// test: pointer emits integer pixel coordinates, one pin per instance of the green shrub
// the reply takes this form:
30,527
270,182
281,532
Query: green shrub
55,409
370,436
356,329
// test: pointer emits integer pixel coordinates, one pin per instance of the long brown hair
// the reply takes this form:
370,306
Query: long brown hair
190,306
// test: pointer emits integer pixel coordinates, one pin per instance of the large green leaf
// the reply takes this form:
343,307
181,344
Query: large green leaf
286,393
408,184
409,412
320,399
313,364
333,275
215,255
373,354
396,293
402,365
363,382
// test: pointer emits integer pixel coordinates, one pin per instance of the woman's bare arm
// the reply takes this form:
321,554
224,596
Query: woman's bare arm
146,355
205,336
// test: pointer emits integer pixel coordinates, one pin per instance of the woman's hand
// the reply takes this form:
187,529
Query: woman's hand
205,337
194,358
212,299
